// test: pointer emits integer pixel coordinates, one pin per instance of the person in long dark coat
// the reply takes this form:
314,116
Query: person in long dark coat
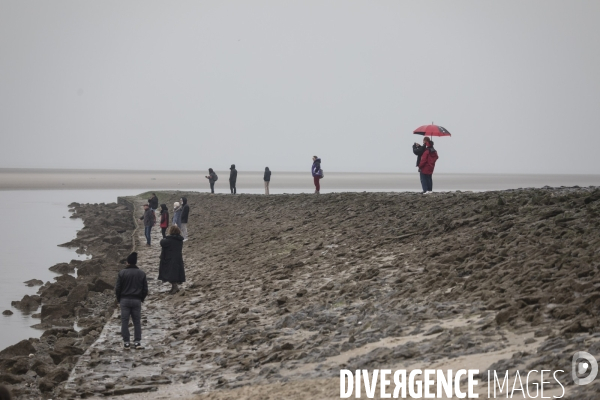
171,259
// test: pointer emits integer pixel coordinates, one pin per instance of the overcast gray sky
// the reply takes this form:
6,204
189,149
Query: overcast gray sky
198,84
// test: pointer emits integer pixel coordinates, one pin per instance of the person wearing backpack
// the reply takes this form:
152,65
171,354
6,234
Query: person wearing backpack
212,178
317,173
426,166
267,179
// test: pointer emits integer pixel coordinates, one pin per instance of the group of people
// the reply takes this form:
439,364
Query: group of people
212,177
181,212
131,288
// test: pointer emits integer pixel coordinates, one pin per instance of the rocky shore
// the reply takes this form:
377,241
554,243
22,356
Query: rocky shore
33,368
285,290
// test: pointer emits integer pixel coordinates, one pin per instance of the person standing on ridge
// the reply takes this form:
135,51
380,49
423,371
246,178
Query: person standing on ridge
153,202
427,165
131,290
177,214
267,179
164,219
212,178
232,178
317,173
149,220
185,212
418,149
171,259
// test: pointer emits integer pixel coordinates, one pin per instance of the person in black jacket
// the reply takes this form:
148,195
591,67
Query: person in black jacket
131,290
212,178
418,150
232,178
185,212
153,202
171,259
267,179
149,220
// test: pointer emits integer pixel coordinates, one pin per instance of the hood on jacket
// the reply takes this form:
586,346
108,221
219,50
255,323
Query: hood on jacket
163,207
232,166
184,200
266,169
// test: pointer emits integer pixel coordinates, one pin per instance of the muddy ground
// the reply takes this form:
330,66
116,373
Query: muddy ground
285,290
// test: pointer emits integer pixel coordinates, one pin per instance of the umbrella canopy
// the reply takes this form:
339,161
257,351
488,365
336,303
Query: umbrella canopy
432,130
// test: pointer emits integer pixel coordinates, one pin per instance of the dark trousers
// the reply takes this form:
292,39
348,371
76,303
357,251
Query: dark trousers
232,187
426,182
317,181
212,187
133,308
147,232
163,231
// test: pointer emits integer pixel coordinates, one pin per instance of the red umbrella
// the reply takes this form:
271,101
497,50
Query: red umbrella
432,130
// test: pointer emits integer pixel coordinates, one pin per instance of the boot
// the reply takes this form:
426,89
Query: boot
174,288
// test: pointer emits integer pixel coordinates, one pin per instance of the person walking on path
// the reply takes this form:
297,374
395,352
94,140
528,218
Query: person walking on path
153,202
171,259
164,219
212,178
185,212
267,179
131,290
426,166
149,220
232,178
317,173
177,214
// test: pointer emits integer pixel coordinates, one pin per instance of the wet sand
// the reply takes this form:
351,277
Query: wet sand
36,179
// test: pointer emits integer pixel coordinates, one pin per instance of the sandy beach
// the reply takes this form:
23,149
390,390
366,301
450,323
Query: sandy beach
39,179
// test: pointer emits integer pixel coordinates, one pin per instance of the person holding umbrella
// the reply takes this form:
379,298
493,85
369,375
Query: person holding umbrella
426,165
426,154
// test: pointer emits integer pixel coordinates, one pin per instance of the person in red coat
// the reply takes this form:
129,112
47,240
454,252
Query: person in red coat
164,219
426,166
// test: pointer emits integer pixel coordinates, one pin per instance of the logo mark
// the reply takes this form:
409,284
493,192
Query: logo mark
581,363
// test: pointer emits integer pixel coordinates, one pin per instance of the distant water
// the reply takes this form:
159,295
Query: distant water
34,223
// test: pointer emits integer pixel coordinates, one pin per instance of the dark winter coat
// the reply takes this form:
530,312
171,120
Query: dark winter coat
418,151
171,260
428,160
153,202
149,217
164,219
212,177
131,284
185,211
233,174
267,176
316,167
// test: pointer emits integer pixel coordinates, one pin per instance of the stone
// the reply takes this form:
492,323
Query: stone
62,268
23,348
78,294
34,282
7,312
57,311
27,303
101,285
